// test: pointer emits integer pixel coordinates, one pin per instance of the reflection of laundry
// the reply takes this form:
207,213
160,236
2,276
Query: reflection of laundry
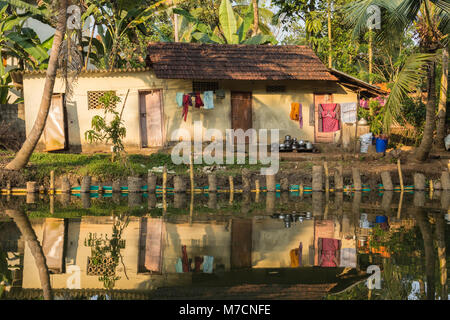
348,257
185,259
296,256
179,266
328,252
198,263
208,262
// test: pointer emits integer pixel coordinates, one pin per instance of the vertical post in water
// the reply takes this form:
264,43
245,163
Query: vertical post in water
65,185
151,183
230,178
327,179
356,179
445,180
246,182
271,183
164,186
178,184
52,182
317,178
419,182
338,179
400,175
86,184
212,183
191,173
257,187
387,181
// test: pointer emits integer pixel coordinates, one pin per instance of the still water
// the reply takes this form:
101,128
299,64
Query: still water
222,246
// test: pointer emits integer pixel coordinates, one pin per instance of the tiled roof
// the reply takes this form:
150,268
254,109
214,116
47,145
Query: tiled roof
235,62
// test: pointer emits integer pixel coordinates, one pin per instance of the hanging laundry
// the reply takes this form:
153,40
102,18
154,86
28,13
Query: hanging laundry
208,99
198,100
294,111
300,115
329,116
348,112
187,101
220,94
208,263
179,266
179,99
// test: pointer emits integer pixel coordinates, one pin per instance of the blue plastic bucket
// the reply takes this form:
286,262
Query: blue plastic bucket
381,219
381,145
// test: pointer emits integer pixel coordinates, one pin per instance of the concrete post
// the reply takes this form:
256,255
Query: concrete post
387,181
212,183
357,179
134,185
151,183
271,183
179,185
445,180
338,179
419,182
86,184
32,187
317,178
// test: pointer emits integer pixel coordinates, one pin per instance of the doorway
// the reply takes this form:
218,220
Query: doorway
151,118
320,136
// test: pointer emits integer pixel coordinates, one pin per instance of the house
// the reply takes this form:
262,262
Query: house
254,87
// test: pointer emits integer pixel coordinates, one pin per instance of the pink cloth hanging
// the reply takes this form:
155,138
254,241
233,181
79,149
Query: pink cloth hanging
330,247
330,123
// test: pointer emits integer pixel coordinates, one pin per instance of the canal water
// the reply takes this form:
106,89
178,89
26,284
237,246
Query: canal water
373,246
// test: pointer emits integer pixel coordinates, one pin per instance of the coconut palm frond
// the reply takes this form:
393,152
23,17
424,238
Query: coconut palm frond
407,80
24,5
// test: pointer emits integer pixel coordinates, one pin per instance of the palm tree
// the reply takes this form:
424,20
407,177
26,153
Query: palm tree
24,225
431,20
22,157
442,109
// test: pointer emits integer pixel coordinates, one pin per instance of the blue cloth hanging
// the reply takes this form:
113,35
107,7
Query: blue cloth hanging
180,99
208,99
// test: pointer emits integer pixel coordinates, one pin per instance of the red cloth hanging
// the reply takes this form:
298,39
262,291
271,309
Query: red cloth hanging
187,101
330,122
198,100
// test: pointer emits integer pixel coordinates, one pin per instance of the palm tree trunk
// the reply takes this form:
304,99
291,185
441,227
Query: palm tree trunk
440,239
425,230
24,154
442,109
370,55
330,38
24,225
255,17
427,140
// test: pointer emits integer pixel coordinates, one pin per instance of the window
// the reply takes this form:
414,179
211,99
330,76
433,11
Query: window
93,99
275,89
204,86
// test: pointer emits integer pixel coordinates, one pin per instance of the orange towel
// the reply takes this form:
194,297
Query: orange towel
295,111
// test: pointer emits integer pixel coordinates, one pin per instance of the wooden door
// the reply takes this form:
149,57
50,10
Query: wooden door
151,118
151,245
241,243
322,137
55,132
241,110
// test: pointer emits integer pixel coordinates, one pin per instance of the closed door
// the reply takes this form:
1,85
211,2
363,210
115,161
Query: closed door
55,132
241,110
322,137
151,118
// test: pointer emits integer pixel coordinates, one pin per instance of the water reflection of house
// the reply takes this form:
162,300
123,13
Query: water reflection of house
151,248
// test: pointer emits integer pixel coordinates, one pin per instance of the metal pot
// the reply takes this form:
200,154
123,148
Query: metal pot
309,145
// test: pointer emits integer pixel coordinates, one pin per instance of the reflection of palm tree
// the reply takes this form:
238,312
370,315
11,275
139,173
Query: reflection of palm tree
440,239
425,230
24,225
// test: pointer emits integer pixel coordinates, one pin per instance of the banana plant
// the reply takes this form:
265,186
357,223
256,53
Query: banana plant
233,29
20,42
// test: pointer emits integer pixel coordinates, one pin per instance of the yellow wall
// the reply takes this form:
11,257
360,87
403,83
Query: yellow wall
270,111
